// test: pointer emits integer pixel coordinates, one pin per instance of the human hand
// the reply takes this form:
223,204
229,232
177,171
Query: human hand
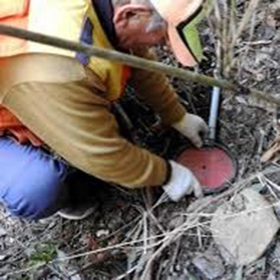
182,182
193,127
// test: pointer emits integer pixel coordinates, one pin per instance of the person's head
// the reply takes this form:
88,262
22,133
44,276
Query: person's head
138,24
150,22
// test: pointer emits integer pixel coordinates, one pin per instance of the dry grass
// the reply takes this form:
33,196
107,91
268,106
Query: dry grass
151,237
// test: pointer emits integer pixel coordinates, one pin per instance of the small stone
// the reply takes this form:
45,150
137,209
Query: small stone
102,232
11,240
178,267
260,77
209,264
2,257
245,226
241,100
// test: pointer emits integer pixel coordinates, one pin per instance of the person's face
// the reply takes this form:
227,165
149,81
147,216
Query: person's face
136,31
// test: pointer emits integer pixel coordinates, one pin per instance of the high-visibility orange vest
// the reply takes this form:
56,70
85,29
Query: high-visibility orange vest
11,124
14,13
66,19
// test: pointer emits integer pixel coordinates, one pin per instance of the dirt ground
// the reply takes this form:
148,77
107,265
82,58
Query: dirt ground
139,235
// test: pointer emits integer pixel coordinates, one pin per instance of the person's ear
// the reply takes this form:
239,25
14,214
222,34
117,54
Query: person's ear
125,12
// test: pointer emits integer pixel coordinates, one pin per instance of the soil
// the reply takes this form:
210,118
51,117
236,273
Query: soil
116,241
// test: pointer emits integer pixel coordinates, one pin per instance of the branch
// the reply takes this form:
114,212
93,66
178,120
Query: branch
133,61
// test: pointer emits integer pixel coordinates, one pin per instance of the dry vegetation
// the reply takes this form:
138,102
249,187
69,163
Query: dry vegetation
140,235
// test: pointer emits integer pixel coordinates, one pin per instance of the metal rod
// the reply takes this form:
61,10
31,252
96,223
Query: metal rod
214,111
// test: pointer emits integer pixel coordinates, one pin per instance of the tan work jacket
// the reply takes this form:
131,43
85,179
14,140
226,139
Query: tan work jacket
67,105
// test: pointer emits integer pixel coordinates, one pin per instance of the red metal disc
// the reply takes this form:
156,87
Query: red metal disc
213,166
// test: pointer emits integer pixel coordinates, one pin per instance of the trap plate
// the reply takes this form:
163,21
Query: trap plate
214,166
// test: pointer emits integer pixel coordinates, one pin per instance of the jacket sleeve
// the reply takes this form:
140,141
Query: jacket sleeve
76,122
155,90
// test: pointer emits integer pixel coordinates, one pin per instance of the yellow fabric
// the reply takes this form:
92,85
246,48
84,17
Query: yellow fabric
62,19
65,19
12,8
38,67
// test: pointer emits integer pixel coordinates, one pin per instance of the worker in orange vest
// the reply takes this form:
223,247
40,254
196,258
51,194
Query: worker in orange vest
55,109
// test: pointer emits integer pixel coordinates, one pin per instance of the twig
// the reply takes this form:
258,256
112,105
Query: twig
245,20
257,43
147,274
133,61
250,15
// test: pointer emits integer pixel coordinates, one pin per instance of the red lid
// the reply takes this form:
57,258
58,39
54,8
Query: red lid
212,166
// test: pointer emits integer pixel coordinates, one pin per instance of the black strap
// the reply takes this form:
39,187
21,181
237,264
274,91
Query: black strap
105,13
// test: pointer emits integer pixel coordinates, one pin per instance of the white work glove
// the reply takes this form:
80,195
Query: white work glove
193,127
182,182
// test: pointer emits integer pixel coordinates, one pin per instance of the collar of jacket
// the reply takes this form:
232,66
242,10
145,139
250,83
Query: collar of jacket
105,12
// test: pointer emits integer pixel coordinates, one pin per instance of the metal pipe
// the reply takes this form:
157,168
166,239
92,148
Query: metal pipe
214,110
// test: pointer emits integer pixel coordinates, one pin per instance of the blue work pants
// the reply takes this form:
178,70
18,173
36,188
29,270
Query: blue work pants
31,181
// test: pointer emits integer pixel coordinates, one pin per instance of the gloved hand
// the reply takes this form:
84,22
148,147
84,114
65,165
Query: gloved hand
182,182
192,127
